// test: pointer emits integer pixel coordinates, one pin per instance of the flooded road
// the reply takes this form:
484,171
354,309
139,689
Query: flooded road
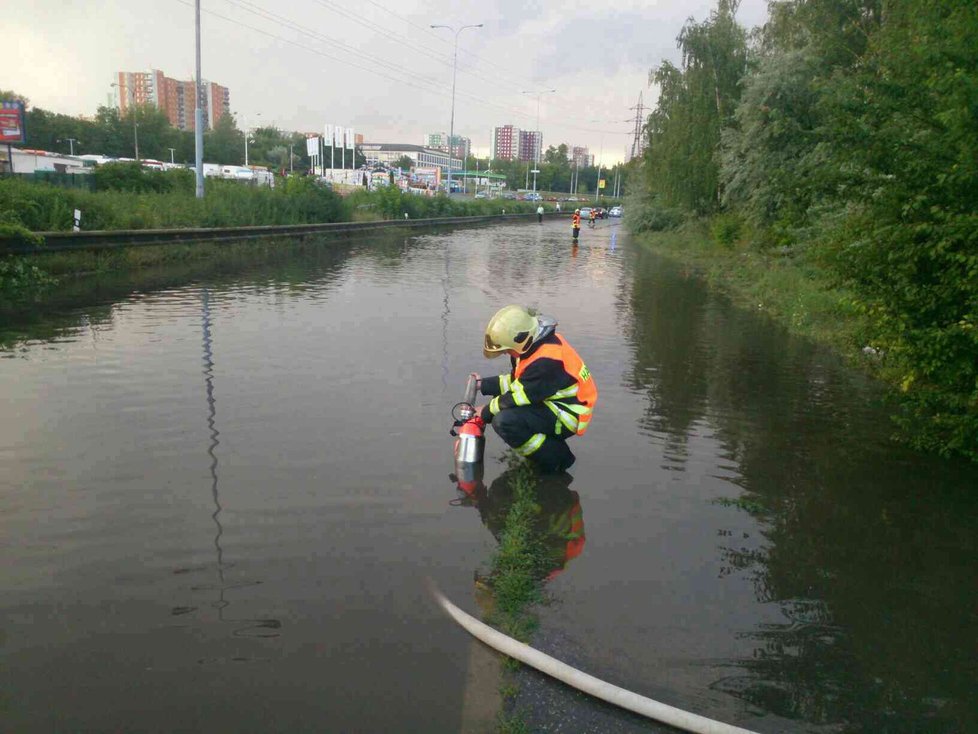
222,485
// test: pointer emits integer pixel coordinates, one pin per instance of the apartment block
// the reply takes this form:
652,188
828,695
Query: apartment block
461,147
580,157
531,145
504,143
174,97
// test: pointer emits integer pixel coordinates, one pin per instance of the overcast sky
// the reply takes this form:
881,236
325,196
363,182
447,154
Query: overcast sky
373,65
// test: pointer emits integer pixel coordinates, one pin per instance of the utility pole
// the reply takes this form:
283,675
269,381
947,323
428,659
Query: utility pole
451,129
291,169
638,140
171,154
539,145
71,144
198,112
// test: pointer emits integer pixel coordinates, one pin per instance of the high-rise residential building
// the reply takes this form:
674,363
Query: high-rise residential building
579,156
531,145
510,143
504,143
173,96
461,147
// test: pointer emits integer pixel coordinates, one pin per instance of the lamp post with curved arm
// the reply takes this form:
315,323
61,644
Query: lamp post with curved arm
451,130
539,146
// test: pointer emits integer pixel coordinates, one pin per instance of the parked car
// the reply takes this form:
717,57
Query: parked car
585,212
615,211
481,195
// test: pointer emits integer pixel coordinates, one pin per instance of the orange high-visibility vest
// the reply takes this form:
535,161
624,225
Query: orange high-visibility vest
576,416
576,220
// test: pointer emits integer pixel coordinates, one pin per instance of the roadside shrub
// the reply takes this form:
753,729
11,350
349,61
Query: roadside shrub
16,233
652,217
726,229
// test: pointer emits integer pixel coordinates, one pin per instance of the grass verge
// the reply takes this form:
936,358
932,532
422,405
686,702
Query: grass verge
782,285
517,573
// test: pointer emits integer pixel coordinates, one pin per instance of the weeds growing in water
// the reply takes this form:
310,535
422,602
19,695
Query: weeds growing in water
517,572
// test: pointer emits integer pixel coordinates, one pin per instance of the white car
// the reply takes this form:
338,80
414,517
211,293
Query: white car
615,211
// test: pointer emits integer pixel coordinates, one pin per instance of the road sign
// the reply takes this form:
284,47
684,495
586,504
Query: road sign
600,183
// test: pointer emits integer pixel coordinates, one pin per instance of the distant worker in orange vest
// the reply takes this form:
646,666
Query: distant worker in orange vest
576,223
591,217
548,395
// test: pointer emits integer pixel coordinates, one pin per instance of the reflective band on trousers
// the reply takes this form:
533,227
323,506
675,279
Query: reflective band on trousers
535,442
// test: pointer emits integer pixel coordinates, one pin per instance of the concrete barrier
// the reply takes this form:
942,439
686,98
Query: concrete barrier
109,239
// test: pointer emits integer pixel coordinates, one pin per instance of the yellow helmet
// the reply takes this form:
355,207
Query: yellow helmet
513,327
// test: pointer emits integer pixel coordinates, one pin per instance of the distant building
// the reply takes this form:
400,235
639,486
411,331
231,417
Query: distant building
385,154
461,146
504,143
531,145
580,157
510,143
174,97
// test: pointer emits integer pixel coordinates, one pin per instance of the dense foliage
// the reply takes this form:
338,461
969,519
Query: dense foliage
846,133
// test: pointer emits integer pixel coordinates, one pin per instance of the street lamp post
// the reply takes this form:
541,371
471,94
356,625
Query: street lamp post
135,126
71,144
247,132
198,110
539,145
451,129
171,154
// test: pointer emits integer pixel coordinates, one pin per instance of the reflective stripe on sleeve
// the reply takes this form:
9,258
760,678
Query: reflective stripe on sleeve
504,383
519,394
567,392
494,405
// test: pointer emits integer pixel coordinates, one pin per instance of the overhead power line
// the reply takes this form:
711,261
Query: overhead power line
398,73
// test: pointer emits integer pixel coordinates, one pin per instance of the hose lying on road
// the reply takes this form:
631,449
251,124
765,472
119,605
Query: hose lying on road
582,681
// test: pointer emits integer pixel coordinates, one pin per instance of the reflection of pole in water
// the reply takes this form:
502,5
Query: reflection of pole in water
212,425
444,324
255,627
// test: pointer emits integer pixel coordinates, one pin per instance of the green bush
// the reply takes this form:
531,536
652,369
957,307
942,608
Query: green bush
726,229
16,233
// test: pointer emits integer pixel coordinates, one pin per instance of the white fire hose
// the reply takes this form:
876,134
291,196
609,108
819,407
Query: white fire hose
582,681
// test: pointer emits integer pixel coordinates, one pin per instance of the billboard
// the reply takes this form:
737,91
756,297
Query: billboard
600,183
328,138
312,147
349,138
12,122
430,178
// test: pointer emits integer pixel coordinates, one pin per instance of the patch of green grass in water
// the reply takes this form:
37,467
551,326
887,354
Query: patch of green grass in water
517,572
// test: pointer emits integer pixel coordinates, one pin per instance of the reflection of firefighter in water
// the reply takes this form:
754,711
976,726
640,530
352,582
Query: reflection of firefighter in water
559,520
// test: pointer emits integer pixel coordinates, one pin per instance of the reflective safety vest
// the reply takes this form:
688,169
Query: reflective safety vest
574,416
576,220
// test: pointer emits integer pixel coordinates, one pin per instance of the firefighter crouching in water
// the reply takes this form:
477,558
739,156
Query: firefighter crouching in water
548,395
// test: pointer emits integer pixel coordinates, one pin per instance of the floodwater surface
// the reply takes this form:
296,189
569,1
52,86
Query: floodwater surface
223,484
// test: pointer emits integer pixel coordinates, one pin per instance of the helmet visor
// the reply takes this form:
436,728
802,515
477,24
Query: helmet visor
490,349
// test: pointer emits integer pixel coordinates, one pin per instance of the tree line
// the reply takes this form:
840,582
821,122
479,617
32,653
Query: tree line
843,133
110,133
